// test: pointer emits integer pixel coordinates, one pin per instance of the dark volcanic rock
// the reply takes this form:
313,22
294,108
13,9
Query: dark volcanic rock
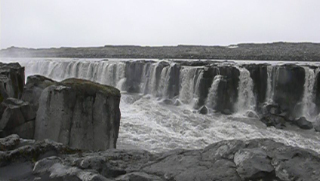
258,159
79,113
303,123
258,73
34,87
271,109
9,142
253,163
203,110
316,123
11,80
274,120
289,86
17,118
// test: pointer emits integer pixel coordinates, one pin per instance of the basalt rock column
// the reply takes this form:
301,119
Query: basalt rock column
79,113
11,80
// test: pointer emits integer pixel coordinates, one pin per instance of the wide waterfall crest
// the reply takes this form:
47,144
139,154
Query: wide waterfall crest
246,99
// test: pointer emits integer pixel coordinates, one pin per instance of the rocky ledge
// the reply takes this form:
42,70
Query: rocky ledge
257,159
78,113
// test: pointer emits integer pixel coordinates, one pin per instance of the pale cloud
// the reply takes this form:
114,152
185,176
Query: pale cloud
56,23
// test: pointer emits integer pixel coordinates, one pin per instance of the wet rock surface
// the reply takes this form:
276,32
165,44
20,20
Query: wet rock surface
34,87
17,117
79,113
11,80
257,159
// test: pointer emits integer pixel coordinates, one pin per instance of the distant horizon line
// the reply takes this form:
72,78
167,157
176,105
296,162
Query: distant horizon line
155,46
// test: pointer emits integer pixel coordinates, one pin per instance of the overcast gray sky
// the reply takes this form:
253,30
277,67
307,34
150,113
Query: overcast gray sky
56,23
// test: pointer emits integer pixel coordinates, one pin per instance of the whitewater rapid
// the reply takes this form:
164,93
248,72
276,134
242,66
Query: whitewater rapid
149,121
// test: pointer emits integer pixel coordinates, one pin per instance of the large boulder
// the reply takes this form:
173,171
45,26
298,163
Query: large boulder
11,80
253,164
277,121
316,123
271,109
303,123
79,113
17,117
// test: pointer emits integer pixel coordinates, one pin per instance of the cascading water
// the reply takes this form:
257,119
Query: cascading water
269,92
189,85
146,124
308,109
276,73
246,100
164,82
211,101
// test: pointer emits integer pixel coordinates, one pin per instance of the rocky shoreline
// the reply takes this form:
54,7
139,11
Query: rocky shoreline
232,160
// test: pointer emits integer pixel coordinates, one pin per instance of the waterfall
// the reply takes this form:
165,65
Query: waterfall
276,73
144,79
104,72
152,86
178,80
189,84
246,100
269,92
308,93
211,101
164,82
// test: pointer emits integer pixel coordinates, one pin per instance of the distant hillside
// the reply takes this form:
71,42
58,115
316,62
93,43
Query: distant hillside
269,51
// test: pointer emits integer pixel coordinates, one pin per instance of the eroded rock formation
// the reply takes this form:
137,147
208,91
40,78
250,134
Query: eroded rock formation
11,80
79,113
76,112
258,159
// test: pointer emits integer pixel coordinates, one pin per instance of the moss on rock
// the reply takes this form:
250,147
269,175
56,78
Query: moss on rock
90,87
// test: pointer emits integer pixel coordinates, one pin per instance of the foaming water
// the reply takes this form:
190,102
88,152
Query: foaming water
149,123
190,78
146,124
211,101
246,100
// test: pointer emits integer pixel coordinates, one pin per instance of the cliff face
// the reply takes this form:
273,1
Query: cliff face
11,80
79,113
76,112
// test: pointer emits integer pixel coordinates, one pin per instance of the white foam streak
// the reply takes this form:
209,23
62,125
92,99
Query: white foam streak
246,99
269,92
309,107
213,92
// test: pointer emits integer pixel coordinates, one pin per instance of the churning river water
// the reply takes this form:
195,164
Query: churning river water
152,121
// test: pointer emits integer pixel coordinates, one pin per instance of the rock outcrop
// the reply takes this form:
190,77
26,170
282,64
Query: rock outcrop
258,159
79,113
11,80
17,117
34,87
